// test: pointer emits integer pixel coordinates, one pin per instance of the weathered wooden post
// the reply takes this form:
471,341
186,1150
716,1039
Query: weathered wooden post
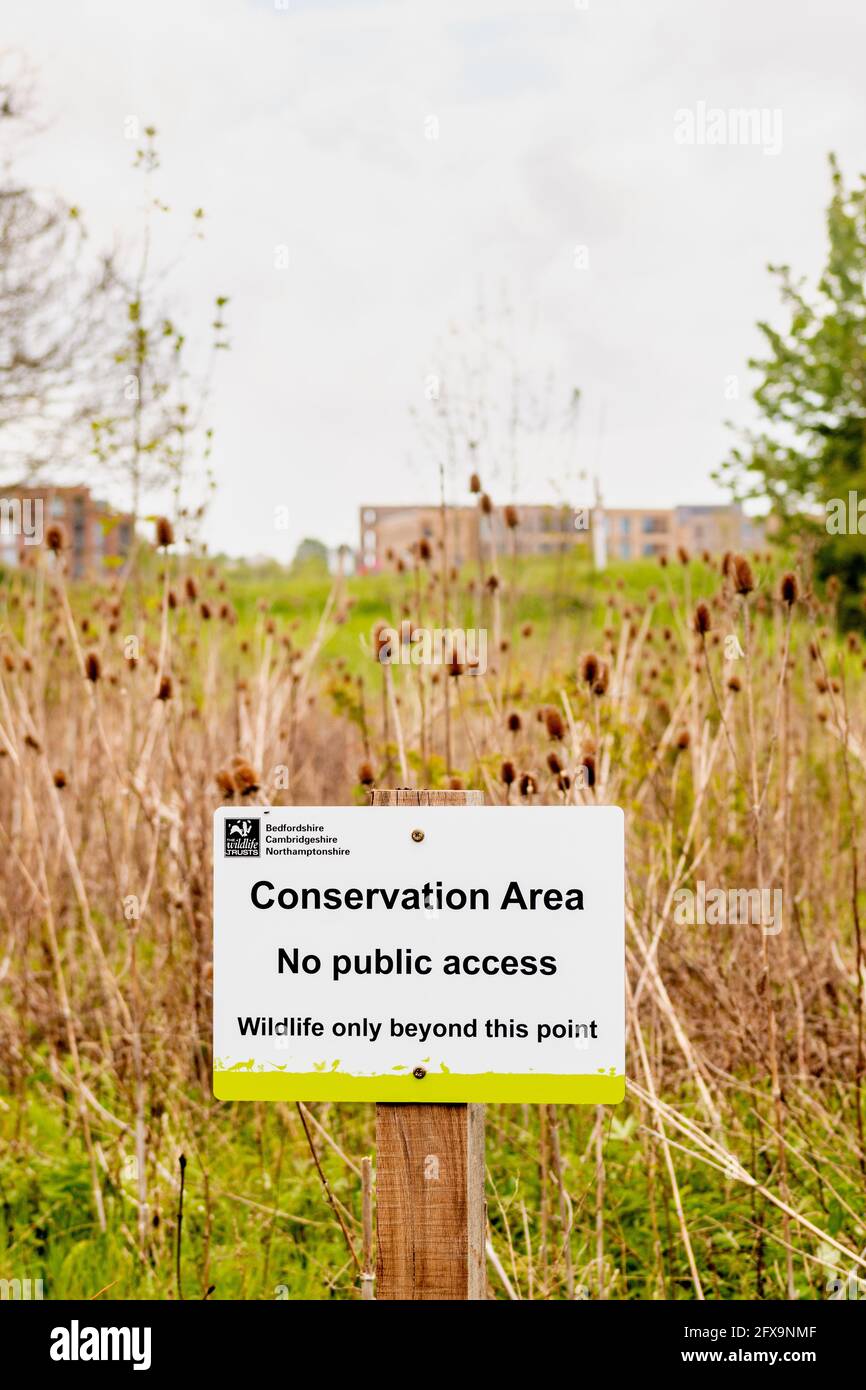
430,1212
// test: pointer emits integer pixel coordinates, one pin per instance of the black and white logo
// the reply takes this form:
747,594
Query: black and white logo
242,836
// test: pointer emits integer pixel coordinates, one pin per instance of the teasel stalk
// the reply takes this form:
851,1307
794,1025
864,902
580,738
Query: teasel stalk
566,1209
443,511
420,551
493,582
744,585
843,734
398,727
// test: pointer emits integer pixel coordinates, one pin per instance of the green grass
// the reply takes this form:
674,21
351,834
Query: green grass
548,592
282,1241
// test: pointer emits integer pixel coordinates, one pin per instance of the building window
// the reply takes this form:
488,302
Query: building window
654,525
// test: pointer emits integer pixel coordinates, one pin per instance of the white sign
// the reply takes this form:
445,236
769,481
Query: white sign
466,953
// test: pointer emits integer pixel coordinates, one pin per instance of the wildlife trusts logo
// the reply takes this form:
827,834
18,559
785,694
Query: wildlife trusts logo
242,837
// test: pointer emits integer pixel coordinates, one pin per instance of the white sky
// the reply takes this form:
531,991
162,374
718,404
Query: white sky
305,127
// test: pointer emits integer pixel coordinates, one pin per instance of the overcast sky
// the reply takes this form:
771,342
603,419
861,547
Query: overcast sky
308,126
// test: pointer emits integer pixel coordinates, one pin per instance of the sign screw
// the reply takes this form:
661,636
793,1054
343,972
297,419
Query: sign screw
419,1073
417,836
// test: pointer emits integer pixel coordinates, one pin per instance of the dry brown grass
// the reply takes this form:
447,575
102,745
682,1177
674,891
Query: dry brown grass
746,1050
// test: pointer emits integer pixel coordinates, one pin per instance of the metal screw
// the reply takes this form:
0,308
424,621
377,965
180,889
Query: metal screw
417,836
419,1073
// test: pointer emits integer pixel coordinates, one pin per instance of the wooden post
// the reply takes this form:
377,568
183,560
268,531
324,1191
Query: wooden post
430,1212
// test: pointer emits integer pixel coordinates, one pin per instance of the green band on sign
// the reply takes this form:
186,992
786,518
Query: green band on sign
449,1088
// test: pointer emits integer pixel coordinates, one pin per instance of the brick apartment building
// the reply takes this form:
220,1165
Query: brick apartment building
634,533
629,533
389,533
96,536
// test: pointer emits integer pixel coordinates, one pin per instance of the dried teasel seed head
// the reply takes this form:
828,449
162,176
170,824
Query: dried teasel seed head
164,691
528,784
554,723
474,483
55,538
507,773
366,775
485,503
589,668
789,589
245,778
600,684
225,782
734,683
91,667
683,555
164,532
60,779
684,738
425,552
744,579
514,723
492,583
703,621
455,784
191,588
381,640
553,762
511,517
205,611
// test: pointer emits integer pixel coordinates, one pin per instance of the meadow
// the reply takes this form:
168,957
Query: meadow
712,697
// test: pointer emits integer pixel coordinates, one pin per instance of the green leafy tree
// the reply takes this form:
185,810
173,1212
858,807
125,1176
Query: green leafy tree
810,450
311,554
